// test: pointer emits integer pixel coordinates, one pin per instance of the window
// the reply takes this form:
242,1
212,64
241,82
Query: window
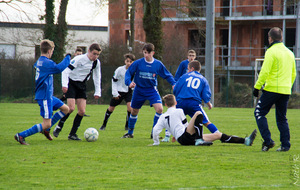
7,51
197,8
37,52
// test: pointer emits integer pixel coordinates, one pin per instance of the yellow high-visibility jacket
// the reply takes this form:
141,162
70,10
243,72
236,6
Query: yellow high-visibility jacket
278,71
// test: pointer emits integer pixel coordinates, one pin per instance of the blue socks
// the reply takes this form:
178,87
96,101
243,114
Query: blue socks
57,116
34,129
155,119
131,123
212,128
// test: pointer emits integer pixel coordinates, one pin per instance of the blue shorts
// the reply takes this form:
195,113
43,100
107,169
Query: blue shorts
141,95
190,107
47,106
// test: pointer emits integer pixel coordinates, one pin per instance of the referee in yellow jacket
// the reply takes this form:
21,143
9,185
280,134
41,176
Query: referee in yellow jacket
277,74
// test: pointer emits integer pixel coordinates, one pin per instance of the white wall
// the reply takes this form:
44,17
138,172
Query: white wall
25,39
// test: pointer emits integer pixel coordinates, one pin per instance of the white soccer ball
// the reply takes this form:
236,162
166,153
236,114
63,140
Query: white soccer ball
91,134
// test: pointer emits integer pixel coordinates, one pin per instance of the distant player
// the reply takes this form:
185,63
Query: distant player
190,90
185,133
120,91
183,67
45,68
145,72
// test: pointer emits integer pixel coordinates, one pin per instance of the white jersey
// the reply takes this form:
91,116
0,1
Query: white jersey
172,120
79,68
118,81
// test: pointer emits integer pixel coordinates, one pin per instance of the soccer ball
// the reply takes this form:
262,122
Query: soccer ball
91,134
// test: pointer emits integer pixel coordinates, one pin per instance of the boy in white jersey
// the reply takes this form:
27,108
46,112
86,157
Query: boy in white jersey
185,133
74,85
120,91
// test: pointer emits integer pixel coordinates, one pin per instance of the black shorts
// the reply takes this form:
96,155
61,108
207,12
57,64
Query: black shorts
123,96
76,89
187,139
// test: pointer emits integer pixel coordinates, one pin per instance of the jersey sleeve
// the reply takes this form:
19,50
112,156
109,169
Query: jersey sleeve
114,83
97,79
165,74
206,93
157,129
179,71
130,72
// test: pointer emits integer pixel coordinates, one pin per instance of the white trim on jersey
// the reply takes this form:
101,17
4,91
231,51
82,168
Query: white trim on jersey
45,105
172,121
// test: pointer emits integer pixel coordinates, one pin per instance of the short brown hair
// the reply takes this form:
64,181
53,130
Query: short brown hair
275,33
148,47
95,46
169,100
78,49
130,56
196,65
46,45
191,51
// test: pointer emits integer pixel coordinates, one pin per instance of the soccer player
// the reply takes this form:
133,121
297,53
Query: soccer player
277,74
190,90
145,71
45,68
120,91
185,133
74,85
183,66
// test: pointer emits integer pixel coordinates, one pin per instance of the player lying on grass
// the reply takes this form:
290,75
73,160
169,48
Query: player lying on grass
185,133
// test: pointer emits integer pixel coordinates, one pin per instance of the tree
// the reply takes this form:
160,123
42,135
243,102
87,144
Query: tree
153,26
56,32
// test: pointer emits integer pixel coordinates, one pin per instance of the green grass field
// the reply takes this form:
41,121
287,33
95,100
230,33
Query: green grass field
115,163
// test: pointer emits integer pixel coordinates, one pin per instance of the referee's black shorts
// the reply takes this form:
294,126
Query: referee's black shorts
187,139
126,96
76,90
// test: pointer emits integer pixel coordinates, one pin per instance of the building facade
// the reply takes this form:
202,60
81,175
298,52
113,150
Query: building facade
241,28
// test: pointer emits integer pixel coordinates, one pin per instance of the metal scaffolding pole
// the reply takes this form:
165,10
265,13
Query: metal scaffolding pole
209,45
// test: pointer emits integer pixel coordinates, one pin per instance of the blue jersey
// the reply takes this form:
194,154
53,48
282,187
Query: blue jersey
145,74
45,68
194,86
182,69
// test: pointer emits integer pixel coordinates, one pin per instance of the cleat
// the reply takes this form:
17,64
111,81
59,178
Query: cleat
56,131
127,136
102,128
74,137
166,139
20,139
47,135
201,142
282,149
266,147
249,140
86,115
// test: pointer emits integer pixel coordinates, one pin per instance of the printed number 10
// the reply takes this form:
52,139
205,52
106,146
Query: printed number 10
193,82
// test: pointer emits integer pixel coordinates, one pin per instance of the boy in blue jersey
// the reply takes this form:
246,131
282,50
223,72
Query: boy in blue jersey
45,68
145,71
183,67
190,90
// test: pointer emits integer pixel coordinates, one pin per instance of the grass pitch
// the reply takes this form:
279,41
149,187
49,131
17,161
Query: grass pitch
115,163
